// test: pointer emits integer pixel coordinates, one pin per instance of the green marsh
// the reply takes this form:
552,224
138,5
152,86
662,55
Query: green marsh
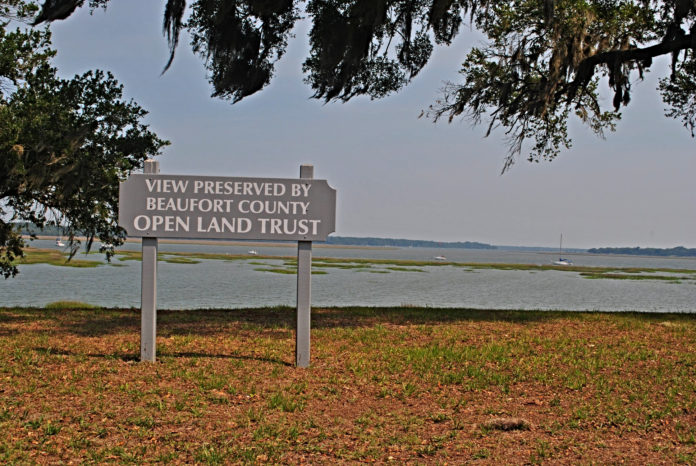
322,265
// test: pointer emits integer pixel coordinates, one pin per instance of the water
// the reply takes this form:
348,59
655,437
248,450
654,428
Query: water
233,284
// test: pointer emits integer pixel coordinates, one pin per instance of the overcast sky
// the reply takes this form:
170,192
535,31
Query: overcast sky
396,175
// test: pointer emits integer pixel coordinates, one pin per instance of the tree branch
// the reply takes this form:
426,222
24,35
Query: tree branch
586,68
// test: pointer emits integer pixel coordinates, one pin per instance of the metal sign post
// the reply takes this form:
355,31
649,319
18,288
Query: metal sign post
148,290
154,205
304,291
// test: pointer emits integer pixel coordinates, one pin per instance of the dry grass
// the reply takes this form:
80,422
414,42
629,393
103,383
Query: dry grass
407,385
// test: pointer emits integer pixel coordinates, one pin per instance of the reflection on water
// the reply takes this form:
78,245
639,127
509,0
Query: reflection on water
233,284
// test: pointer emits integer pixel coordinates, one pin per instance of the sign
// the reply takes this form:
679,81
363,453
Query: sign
152,205
207,207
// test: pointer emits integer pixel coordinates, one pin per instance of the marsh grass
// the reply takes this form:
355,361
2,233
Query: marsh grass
286,271
276,270
321,264
70,305
629,276
178,260
54,257
407,384
347,266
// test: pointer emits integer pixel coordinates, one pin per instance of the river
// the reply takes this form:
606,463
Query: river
235,284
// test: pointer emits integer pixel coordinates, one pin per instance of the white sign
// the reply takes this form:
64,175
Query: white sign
176,206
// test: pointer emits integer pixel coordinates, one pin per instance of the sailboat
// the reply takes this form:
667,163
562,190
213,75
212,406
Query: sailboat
561,260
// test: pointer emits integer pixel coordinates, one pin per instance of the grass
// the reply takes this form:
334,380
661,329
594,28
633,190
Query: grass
276,270
286,271
70,305
628,276
53,257
189,257
408,385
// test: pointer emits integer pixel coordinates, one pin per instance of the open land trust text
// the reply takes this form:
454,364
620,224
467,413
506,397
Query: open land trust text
216,207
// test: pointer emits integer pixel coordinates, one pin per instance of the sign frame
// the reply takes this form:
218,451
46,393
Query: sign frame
326,214
214,207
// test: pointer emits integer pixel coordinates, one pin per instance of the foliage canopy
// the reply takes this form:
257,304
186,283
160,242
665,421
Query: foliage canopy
543,60
64,143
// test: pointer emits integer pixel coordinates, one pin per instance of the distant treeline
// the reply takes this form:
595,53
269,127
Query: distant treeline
52,230
406,243
678,251
26,228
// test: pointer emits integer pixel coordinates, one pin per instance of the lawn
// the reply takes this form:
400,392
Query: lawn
408,385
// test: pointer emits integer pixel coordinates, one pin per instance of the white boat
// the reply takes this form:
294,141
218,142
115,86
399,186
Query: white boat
561,260
440,258
59,243
253,252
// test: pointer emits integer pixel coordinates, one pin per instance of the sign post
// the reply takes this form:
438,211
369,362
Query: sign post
148,288
304,291
154,205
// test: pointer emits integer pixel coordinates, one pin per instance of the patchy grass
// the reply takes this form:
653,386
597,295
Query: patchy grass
185,257
347,266
70,305
178,260
54,257
287,271
628,276
276,270
321,264
409,385
214,256
505,423
129,256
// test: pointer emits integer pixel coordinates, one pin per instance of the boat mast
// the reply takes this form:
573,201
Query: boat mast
560,248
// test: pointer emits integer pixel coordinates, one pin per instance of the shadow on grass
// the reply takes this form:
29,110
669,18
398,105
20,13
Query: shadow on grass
93,323
130,357
125,357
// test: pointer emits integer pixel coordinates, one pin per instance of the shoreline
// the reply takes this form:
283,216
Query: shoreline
289,244
79,306
293,244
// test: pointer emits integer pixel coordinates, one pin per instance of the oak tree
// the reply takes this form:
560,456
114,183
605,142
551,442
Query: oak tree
543,61
64,143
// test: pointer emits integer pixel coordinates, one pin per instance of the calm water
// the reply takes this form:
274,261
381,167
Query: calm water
223,284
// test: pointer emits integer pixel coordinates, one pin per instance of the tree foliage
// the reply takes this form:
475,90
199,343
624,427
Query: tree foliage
64,144
543,61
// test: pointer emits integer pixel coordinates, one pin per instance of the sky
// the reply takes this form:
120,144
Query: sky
396,175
